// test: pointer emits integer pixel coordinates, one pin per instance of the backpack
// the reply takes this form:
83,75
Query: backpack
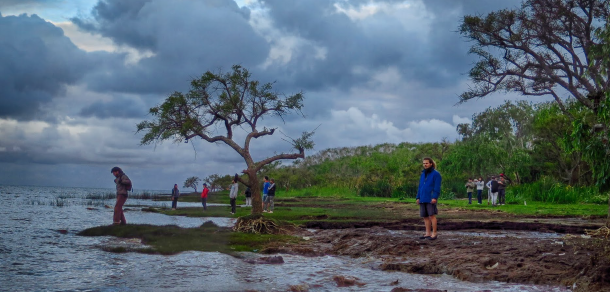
129,186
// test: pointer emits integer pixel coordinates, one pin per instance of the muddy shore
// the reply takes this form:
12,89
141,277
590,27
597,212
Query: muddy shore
487,246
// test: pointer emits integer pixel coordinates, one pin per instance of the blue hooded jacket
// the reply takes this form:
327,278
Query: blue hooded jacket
429,187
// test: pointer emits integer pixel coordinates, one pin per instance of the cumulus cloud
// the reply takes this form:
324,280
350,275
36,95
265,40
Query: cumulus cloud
352,126
180,40
71,92
38,61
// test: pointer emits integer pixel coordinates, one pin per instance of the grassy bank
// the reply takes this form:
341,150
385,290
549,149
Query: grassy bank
172,239
333,205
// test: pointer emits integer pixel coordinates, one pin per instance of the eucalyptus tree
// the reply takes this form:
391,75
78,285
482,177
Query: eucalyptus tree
217,106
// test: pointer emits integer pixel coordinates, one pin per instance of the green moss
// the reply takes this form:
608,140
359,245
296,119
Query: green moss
171,239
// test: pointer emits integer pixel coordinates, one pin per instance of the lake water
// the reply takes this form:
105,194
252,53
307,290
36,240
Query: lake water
40,251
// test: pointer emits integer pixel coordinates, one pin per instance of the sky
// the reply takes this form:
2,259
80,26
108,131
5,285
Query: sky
77,76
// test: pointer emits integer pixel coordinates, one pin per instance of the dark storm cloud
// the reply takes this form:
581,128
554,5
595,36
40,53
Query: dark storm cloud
119,107
37,62
185,38
436,59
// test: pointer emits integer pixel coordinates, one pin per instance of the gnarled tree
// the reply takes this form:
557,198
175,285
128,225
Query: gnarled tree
216,106
543,48
191,182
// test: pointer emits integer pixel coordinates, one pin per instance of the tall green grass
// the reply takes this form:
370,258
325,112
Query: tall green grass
317,191
549,191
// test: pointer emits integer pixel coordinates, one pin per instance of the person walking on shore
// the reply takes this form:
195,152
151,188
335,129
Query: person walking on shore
270,198
480,185
123,186
248,194
469,189
204,196
427,195
233,195
175,196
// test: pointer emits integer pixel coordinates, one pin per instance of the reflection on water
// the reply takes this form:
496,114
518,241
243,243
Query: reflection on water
40,251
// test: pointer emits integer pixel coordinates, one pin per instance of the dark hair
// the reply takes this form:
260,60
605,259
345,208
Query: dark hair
116,168
272,180
205,185
431,161
266,177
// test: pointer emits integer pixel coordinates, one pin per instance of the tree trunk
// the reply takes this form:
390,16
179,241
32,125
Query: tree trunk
257,198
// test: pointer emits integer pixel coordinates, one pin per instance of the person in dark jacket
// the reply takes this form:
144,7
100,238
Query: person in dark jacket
427,195
123,186
175,196
502,190
248,194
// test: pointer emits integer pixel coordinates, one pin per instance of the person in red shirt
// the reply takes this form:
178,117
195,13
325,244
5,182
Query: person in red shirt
204,196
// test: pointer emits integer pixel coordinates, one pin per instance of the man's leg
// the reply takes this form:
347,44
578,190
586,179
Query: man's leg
119,217
469,198
503,197
480,196
427,224
433,223
271,204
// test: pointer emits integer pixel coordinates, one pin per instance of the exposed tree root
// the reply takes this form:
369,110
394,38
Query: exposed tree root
603,231
260,225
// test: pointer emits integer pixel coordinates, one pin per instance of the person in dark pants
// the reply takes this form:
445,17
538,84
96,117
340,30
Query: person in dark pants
175,196
427,195
502,191
268,204
469,189
233,195
123,185
480,186
204,196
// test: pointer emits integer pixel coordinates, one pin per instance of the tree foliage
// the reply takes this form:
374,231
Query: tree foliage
218,105
191,182
499,140
542,48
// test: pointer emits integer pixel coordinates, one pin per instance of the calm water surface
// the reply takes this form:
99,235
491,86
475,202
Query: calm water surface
35,256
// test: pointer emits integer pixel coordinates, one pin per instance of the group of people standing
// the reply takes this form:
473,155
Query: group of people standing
496,189
268,195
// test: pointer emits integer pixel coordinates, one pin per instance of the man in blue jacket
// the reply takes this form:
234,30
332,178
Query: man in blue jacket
427,195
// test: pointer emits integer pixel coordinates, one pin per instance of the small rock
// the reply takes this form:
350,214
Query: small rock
306,238
493,267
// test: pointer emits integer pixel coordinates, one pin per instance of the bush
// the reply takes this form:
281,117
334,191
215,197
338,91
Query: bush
549,191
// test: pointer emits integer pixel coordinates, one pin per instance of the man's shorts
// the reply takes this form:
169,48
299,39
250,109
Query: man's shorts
427,210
